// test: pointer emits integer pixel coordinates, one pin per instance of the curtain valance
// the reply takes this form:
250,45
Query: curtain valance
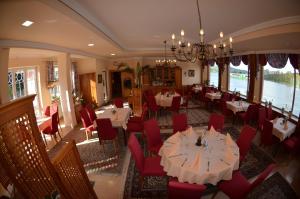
211,62
236,60
277,60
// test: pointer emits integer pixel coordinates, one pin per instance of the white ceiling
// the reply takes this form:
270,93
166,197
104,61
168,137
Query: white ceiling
138,27
145,24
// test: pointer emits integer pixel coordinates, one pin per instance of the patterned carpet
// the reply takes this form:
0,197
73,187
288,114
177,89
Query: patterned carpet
197,116
275,187
156,187
92,155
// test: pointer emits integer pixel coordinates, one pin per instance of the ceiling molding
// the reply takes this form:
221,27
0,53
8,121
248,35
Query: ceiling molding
261,26
87,16
44,46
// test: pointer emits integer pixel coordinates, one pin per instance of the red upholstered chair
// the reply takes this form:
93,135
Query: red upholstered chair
143,116
152,133
292,144
269,112
239,187
149,166
179,122
91,112
152,104
136,124
244,141
164,90
217,121
54,109
225,111
250,114
106,132
118,102
52,128
175,104
261,118
266,138
178,190
86,122
179,91
47,111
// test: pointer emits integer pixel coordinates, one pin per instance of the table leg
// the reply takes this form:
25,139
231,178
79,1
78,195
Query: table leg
125,136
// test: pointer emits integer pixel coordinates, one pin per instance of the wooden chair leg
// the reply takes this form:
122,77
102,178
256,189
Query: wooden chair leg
87,135
141,182
44,136
59,135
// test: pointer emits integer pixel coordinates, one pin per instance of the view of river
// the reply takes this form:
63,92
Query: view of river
280,94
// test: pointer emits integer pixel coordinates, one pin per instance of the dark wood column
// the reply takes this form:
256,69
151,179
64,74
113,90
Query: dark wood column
252,75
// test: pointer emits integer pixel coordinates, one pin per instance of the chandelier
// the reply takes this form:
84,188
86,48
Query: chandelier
165,62
187,52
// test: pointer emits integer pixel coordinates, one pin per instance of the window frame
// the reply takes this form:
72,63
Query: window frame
278,109
228,80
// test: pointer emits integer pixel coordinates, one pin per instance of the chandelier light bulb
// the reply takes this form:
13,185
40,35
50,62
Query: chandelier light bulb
215,46
182,33
179,42
189,44
230,42
201,32
173,36
221,34
224,45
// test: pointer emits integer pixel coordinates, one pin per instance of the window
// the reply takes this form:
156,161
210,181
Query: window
238,78
214,75
21,82
278,87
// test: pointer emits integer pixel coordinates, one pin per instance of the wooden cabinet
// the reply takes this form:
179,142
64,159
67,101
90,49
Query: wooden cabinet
136,100
163,76
88,87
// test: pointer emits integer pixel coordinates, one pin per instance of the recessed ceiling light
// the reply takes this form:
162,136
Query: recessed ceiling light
90,45
112,54
27,23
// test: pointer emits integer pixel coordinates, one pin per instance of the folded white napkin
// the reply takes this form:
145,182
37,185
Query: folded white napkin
229,140
212,130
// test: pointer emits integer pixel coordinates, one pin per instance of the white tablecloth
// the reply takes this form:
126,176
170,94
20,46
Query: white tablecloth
280,132
119,119
165,100
213,96
196,89
181,158
237,106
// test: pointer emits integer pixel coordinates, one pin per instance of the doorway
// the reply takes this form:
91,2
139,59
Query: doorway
116,84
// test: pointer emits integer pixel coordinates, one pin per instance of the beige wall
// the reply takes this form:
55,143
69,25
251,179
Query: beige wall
87,65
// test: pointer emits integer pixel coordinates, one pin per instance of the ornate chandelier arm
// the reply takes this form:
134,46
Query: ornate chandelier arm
178,57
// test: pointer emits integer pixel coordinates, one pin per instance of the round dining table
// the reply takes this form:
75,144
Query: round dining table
214,160
165,100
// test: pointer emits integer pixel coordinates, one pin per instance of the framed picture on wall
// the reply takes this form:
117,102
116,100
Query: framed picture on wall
191,73
99,78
